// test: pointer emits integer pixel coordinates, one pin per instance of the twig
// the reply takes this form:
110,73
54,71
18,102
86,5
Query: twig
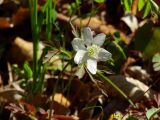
134,6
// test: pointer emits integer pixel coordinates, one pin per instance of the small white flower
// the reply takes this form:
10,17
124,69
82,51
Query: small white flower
89,50
131,21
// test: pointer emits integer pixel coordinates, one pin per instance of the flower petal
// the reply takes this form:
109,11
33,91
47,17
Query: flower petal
99,39
87,36
92,65
80,56
131,21
78,44
104,55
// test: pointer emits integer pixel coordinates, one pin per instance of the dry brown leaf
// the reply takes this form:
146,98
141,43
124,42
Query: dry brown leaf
5,23
59,98
93,22
133,88
10,95
22,50
20,16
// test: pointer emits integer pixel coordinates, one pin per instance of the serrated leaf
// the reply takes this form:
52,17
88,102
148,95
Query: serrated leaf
99,1
147,9
141,4
151,112
156,66
156,60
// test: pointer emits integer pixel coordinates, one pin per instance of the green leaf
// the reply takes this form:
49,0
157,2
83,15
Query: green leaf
154,8
156,66
99,1
151,112
156,58
127,5
147,9
156,61
117,37
131,118
54,15
141,4
147,40
27,70
153,45
66,52
17,70
73,7
143,35
118,54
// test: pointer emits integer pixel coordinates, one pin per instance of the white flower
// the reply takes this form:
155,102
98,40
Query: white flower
89,50
131,21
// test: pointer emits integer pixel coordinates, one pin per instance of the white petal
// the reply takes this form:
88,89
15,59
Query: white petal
81,72
104,55
78,44
131,21
87,35
92,65
80,55
99,39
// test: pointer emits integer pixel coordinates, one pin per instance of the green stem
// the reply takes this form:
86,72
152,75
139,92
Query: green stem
35,34
78,6
116,87
92,11
56,85
49,20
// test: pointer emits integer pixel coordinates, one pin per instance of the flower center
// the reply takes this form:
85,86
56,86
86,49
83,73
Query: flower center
93,51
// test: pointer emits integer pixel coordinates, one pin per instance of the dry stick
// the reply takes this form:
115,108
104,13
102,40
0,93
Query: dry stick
10,73
149,88
93,11
134,7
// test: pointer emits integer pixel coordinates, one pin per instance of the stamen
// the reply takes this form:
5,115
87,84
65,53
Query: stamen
93,51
